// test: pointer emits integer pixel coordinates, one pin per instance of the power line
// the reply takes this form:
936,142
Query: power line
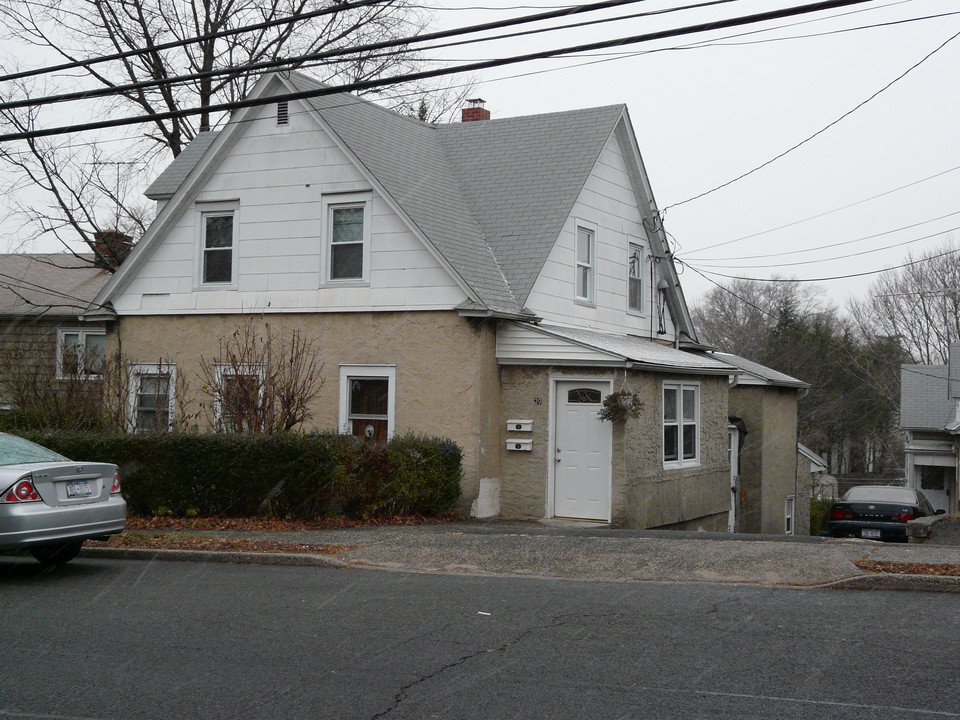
820,131
298,60
438,72
838,244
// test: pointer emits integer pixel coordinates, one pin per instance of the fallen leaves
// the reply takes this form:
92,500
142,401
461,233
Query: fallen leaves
167,541
268,524
909,568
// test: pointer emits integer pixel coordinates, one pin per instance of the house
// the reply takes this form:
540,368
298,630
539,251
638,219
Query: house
491,281
41,299
770,498
930,417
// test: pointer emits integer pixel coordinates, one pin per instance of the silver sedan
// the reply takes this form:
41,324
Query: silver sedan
49,505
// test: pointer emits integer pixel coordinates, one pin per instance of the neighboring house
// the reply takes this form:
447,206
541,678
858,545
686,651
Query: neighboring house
488,281
930,416
41,299
769,496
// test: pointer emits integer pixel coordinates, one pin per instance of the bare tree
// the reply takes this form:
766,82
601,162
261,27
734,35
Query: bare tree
85,188
261,382
917,305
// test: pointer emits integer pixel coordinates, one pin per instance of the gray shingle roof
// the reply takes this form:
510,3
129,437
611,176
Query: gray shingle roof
169,181
53,284
925,401
491,196
769,376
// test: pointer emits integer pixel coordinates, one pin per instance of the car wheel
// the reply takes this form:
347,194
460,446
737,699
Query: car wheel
57,554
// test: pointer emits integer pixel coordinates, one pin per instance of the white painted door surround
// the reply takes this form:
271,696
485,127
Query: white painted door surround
583,448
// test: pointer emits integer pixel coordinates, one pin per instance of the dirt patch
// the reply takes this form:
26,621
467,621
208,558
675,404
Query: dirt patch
166,541
909,568
277,524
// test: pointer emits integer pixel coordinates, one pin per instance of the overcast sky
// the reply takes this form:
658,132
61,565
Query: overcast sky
709,107
705,115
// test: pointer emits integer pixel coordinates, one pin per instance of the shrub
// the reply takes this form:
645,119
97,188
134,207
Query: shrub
286,474
819,509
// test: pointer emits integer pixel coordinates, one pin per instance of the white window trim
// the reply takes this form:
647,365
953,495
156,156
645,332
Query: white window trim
680,462
591,297
632,243
367,371
790,515
137,370
328,204
222,371
217,208
83,333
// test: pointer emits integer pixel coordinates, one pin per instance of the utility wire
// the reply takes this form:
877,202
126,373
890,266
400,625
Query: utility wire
437,72
299,60
820,131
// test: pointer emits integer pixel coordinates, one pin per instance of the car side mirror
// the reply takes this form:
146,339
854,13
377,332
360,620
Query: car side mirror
941,511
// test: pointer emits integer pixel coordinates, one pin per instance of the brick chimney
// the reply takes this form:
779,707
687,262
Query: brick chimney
113,245
474,111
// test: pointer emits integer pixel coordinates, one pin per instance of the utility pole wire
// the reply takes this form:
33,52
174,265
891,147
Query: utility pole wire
438,72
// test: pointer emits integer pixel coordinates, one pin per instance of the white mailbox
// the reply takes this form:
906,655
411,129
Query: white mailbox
516,444
519,425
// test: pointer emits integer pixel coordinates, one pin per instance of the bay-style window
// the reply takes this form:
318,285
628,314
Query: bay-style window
367,396
681,424
347,233
586,263
80,353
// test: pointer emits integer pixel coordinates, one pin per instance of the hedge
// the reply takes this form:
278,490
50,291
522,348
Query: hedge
288,475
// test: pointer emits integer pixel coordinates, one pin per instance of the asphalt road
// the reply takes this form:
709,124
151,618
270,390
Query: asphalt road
136,639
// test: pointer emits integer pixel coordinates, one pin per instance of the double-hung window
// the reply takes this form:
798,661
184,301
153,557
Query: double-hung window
218,248
586,263
152,396
239,398
347,238
367,395
635,278
80,353
681,424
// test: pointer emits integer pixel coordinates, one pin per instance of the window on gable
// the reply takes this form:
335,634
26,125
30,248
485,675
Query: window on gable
635,278
586,259
346,242
152,390
366,401
80,353
681,421
218,248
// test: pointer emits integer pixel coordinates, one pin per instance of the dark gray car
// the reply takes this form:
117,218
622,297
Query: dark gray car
877,512
49,505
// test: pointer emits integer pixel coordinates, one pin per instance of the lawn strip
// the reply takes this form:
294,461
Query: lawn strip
214,544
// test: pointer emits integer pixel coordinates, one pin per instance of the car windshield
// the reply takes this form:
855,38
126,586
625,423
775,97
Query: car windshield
900,496
15,450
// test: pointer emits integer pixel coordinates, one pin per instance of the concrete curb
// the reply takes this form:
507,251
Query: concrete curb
226,556
896,581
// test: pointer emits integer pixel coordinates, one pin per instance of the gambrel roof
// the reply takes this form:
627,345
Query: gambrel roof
490,197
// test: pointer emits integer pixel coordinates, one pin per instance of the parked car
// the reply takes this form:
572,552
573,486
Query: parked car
49,505
877,512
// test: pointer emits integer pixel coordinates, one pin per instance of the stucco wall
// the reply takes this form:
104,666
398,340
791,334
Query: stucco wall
746,401
779,456
446,375
644,494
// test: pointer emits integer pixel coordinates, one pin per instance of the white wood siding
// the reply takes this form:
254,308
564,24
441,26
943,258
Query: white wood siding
278,175
607,201
519,344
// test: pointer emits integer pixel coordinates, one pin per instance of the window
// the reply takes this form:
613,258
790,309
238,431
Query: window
635,278
586,259
348,238
681,413
80,353
239,398
788,510
581,396
218,251
151,395
367,401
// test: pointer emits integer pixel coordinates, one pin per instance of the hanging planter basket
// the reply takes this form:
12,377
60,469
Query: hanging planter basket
620,405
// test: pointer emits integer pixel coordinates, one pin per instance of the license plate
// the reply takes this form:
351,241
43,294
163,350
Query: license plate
78,488
869,533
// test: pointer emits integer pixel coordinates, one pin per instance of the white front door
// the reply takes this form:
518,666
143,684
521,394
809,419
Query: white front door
582,451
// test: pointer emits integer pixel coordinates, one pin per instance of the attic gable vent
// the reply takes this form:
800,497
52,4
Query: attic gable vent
283,113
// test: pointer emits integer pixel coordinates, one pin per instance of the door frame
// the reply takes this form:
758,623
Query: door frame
555,380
